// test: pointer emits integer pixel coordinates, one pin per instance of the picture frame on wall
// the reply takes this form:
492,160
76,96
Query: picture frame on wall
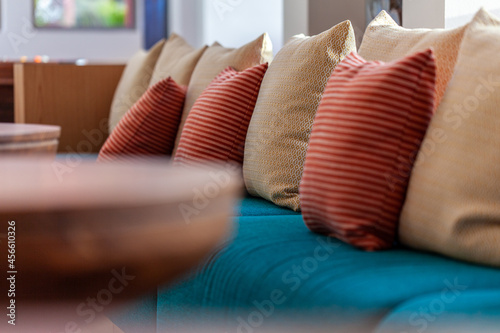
392,7
84,14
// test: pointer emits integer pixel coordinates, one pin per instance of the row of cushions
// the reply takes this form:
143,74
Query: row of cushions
279,131
280,128
186,66
215,129
366,138
172,58
217,58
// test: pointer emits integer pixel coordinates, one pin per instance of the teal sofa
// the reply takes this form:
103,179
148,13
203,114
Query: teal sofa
274,271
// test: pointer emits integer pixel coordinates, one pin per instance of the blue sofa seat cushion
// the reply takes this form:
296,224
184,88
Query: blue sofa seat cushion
450,310
253,206
275,263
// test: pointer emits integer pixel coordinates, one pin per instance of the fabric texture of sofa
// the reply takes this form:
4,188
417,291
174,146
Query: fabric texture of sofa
274,270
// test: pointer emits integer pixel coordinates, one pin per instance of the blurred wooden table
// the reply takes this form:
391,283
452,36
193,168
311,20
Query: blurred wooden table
107,232
28,139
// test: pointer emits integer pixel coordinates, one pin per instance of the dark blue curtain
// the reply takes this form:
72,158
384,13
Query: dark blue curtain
155,21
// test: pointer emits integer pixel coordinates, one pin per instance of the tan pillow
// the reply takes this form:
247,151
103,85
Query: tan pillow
134,82
385,40
453,201
217,58
177,60
279,131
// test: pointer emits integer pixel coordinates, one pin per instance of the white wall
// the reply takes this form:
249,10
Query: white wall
444,13
234,22
186,18
424,14
324,14
296,16
19,38
459,12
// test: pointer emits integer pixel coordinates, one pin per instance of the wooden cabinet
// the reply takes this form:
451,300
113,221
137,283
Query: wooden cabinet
76,98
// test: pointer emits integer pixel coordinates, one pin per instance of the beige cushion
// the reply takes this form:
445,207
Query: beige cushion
453,202
134,82
177,60
279,131
385,40
217,58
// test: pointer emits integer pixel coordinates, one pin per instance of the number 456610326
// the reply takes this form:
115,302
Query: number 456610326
11,245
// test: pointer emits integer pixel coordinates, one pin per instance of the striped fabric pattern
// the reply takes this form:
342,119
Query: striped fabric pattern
217,58
385,40
367,132
217,125
150,126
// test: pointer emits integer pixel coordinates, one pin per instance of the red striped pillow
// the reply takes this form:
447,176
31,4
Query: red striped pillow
217,125
366,135
150,126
